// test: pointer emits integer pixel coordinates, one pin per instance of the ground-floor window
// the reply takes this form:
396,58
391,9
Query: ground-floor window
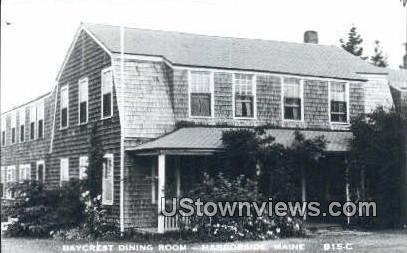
41,171
64,170
107,181
25,172
83,166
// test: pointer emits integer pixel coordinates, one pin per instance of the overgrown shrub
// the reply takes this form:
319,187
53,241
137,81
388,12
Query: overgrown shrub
220,188
39,210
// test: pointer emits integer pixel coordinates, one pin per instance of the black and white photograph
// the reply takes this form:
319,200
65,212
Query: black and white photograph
203,126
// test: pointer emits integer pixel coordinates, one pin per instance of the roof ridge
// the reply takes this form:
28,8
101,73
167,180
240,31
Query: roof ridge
210,36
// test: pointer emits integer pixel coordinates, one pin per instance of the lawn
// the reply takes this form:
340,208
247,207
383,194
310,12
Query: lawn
342,241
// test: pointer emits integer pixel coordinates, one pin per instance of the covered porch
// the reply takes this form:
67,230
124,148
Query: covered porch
170,166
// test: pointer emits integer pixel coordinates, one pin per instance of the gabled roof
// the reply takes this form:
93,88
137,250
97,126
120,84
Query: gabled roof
209,139
235,53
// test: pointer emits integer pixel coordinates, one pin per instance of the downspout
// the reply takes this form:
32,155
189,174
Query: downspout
122,130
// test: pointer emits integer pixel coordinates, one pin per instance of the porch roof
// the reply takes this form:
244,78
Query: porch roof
207,140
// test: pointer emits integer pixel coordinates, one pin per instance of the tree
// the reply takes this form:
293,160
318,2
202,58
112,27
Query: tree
377,153
353,43
404,2
378,59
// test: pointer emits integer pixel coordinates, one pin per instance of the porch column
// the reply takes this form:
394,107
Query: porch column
303,189
161,192
178,177
347,188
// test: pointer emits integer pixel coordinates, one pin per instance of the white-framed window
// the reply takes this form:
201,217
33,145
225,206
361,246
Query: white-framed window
244,88
40,171
107,181
24,173
201,94
339,102
293,102
13,127
3,131
83,98
64,170
3,174
21,115
40,119
33,119
11,174
107,93
64,107
83,167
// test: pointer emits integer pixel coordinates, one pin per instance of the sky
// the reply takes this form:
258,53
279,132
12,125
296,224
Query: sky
35,35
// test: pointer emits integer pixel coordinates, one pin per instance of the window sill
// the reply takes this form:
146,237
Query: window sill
294,120
201,117
107,117
244,118
110,203
83,123
340,123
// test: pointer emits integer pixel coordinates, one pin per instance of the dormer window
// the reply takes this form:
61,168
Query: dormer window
201,94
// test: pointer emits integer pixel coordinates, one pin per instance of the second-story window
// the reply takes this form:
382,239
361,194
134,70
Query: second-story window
292,99
244,95
13,127
40,119
64,106
107,93
33,118
22,124
339,105
3,131
201,93
83,100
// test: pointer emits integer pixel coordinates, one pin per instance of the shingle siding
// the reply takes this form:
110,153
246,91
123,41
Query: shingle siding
87,59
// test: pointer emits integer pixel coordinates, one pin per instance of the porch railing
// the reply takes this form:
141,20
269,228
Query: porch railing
173,223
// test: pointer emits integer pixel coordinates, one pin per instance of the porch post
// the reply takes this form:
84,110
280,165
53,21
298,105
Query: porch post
303,189
161,192
178,177
347,187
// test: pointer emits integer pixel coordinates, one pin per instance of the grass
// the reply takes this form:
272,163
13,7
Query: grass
377,241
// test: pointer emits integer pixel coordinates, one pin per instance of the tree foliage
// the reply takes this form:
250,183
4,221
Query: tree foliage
353,43
378,59
377,152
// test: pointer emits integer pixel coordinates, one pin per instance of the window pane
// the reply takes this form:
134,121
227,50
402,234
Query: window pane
292,108
40,128
244,84
64,117
40,110
64,97
338,111
32,130
13,135
64,170
107,183
107,82
40,175
83,166
107,104
201,104
83,90
3,138
244,106
200,82
292,87
338,91
22,117
83,112
22,133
